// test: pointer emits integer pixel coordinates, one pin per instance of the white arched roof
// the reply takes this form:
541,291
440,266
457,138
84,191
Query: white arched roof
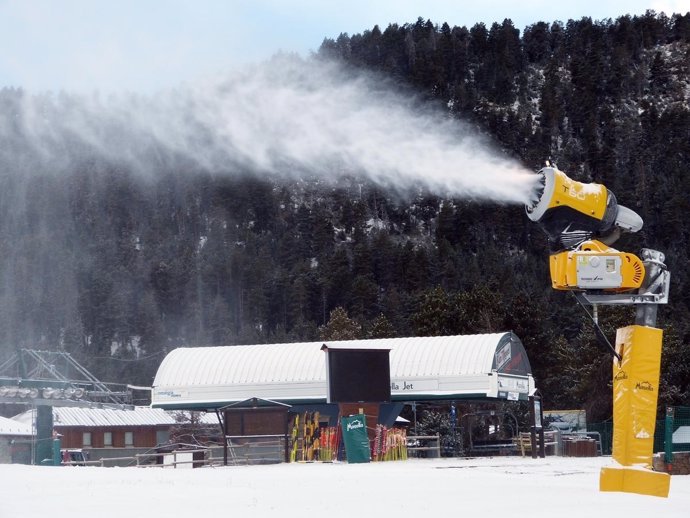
483,365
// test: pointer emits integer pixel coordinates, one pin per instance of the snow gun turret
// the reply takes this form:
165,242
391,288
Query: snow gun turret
581,221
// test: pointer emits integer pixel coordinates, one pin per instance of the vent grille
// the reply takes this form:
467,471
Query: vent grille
638,272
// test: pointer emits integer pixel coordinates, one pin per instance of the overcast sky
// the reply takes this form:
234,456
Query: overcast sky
146,45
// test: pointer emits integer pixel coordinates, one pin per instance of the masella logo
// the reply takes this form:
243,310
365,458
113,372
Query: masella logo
644,385
354,425
620,376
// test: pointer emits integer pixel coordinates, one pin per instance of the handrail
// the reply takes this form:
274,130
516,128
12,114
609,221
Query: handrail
249,448
139,456
436,448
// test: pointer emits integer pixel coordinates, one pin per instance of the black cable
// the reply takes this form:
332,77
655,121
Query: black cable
141,359
598,331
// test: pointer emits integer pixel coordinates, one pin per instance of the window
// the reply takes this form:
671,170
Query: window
107,438
162,436
86,439
129,438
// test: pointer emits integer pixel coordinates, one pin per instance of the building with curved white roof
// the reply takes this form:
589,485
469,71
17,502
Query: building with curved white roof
493,366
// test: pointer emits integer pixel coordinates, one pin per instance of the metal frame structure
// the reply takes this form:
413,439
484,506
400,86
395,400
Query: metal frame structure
55,378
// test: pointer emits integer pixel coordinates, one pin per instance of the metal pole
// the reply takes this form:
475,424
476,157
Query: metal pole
533,427
453,419
645,314
286,435
34,417
668,439
542,446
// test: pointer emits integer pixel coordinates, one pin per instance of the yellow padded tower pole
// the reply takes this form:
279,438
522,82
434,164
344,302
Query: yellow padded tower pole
635,394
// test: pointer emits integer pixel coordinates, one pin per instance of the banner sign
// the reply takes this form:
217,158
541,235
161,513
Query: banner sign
355,437
635,389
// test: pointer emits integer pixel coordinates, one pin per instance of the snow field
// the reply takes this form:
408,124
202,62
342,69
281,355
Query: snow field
499,486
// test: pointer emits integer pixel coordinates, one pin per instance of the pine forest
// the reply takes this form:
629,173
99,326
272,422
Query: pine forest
118,267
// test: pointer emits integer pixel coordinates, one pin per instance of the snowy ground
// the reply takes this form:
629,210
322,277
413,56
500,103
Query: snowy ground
499,486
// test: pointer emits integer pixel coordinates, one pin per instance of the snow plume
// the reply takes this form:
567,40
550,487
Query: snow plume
288,116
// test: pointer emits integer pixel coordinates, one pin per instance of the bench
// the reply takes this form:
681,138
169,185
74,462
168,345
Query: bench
505,447
523,441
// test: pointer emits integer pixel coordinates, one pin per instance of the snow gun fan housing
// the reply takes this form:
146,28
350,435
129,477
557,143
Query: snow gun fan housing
582,220
572,212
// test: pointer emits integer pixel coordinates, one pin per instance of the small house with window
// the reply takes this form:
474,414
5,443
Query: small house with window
106,432
15,441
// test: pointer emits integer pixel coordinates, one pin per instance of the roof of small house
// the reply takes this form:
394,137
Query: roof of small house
13,427
95,417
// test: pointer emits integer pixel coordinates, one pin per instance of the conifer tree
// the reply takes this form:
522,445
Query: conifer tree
340,327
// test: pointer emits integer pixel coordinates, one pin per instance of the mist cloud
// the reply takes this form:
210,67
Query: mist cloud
287,116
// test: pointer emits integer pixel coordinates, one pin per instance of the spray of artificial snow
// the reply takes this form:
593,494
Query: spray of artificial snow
288,117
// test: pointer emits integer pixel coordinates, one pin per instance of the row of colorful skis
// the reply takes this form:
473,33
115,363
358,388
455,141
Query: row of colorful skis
389,444
310,442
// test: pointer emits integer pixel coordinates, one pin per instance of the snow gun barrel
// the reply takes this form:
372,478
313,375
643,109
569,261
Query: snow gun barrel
572,212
